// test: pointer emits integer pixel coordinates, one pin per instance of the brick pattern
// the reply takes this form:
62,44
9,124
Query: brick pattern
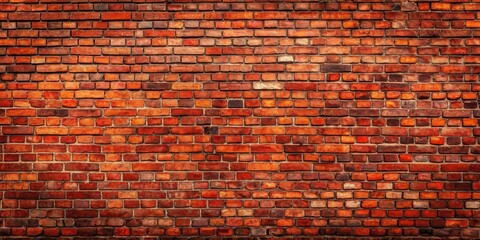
240,119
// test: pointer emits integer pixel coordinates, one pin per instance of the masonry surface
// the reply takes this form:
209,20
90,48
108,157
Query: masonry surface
234,119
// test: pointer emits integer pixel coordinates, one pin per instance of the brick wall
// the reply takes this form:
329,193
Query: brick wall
239,119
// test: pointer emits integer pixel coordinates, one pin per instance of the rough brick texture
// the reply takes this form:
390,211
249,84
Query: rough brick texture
235,119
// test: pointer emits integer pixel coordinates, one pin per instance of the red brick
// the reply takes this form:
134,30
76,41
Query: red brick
118,148
180,166
147,167
156,86
55,16
81,213
295,167
21,112
301,86
51,68
152,130
55,33
149,213
15,167
269,68
187,112
232,149
157,16
186,68
369,15
186,130
84,148
187,15
455,167
262,167
18,130
151,149
21,51
336,15
86,113
20,68
238,15
23,33
84,15
87,33
304,15
269,15
183,213
327,167
109,16
332,148
267,148
299,148
394,131
183,148
159,33
89,94
23,16
302,68
424,168
392,167
82,167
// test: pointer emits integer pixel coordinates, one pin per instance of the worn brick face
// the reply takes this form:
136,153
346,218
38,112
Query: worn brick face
226,119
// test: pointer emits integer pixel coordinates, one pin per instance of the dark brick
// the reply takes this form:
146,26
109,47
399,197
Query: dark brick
336,68
235,103
210,130
156,86
52,112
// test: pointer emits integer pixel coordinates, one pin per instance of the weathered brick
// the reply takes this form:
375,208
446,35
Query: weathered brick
268,86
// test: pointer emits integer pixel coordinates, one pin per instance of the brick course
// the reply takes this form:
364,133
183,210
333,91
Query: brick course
239,119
